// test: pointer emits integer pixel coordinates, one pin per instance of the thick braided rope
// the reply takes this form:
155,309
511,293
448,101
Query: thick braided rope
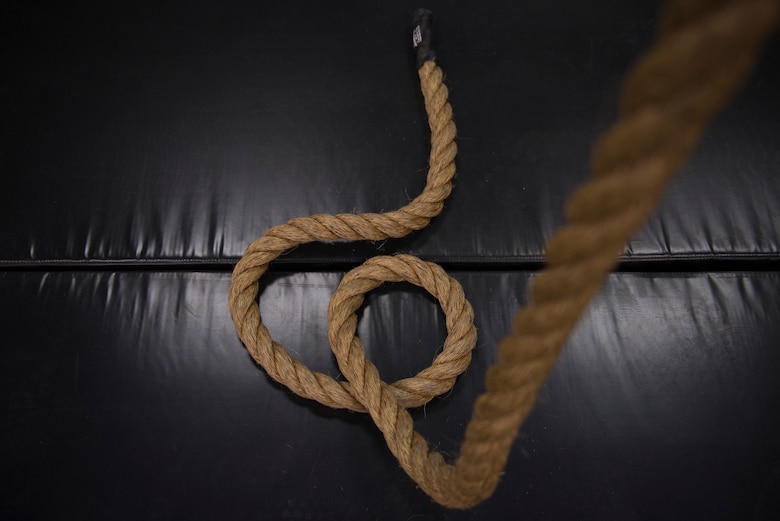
704,50
244,308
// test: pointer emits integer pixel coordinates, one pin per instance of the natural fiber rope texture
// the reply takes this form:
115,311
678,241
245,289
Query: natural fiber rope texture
704,50
431,277
410,392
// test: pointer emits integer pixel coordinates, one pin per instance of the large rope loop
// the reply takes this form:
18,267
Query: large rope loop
704,50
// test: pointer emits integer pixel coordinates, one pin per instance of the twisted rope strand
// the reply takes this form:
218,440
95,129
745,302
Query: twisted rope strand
244,288
704,50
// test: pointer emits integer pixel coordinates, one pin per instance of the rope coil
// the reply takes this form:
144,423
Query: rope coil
705,49
416,215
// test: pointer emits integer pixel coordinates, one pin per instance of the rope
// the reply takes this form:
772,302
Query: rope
704,50
244,308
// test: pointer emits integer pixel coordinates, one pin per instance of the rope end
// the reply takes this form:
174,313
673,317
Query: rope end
422,36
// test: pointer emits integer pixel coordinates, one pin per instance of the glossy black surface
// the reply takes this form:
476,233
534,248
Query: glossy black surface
180,133
141,142
128,396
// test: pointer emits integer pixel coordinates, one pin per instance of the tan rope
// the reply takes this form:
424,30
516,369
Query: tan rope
410,392
704,50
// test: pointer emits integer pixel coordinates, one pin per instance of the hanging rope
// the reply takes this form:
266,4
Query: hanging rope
704,50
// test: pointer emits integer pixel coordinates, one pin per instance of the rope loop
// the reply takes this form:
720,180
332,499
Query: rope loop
455,356
705,49
244,287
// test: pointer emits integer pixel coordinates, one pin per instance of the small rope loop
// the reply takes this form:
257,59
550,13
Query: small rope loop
461,333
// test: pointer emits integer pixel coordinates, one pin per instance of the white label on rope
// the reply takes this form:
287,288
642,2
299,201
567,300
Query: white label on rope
416,36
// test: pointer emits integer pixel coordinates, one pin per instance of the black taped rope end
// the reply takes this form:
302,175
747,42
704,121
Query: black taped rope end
422,36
